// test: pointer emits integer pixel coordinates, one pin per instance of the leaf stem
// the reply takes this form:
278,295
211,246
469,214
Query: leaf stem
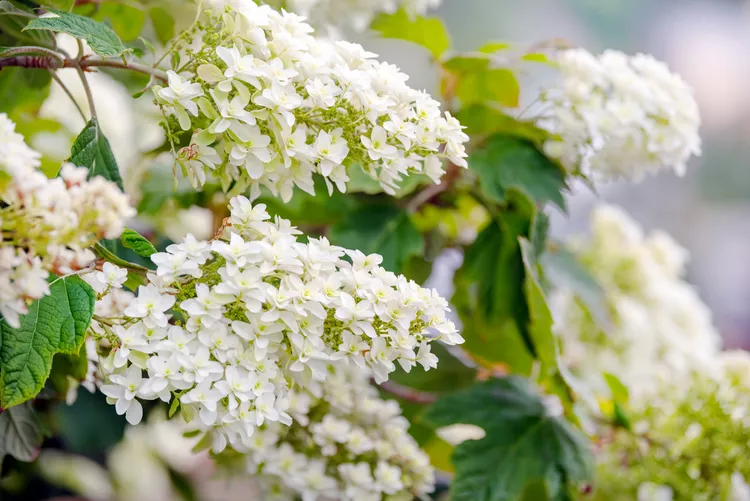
84,80
69,94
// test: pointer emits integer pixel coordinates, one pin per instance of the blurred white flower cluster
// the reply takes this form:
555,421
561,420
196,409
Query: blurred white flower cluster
660,331
47,224
256,314
684,445
268,104
346,443
617,116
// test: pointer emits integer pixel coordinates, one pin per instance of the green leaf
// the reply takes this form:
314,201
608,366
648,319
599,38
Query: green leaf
59,4
467,63
540,316
163,23
65,367
20,433
385,229
498,85
56,323
564,271
131,239
429,32
451,374
485,120
508,162
16,93
91,149
489,342
360,182
493,262
524,443
620,392
99,36
305,209
126,20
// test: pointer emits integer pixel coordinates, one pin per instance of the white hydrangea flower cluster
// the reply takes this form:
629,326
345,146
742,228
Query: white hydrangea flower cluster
47,224
661,331
346,444
257,313
616,116
267,104
357,15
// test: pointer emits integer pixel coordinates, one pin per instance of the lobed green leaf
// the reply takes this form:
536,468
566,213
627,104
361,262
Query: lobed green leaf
524,443
56,323
509,162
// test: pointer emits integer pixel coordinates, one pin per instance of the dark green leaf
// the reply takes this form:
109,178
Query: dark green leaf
565,271
90,425
490,342
99,36
484,120
508,162
429,32
306,209
384,229
540,316
131,239
91,149
524,443
54,324
494,264
66,366
497,85
20,433
163,24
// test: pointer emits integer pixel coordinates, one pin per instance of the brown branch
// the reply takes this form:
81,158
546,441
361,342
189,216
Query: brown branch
86,64
408,394
422,197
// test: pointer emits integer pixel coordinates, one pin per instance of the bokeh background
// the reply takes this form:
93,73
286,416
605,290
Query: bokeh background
707,42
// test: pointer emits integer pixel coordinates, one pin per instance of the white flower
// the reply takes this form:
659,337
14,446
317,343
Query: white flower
123,390
287,105
48,224
343,419
266,314
150,305
660,333
620,117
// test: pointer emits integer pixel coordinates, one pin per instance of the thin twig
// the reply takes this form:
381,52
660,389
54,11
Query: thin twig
84,80
408,394
69,94
140,68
